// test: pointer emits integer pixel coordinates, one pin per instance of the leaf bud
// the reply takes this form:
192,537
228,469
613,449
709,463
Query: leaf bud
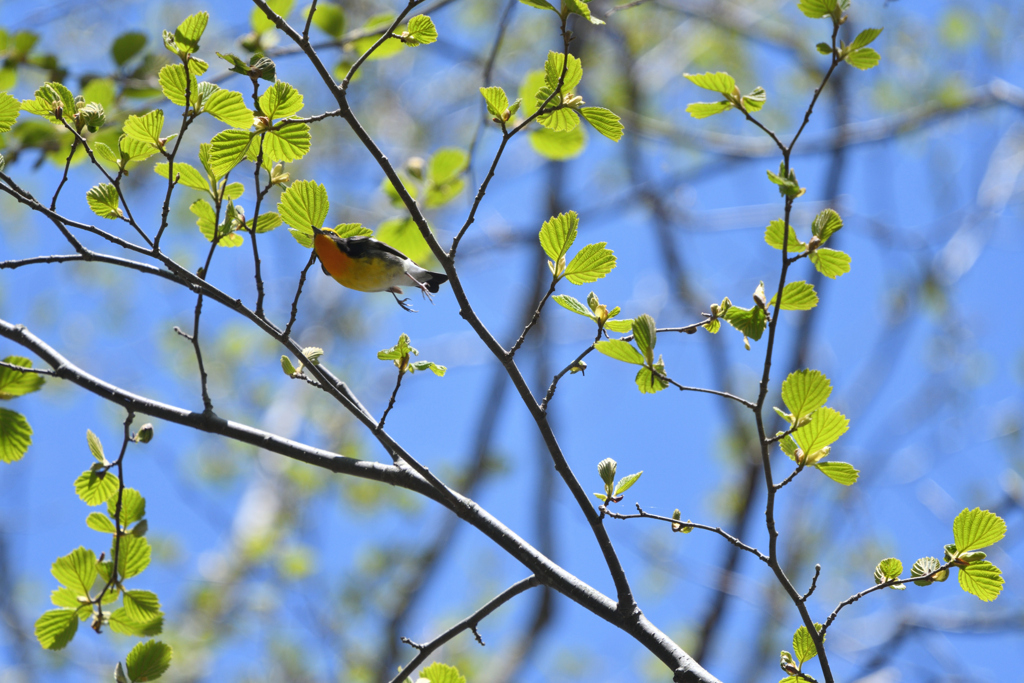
760,299
593,301
286,365
814,243
606,468
262,123
145,434
715,310
579,366
415,166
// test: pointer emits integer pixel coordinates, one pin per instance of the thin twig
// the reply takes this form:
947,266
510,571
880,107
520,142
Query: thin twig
298,293
391,403
534,319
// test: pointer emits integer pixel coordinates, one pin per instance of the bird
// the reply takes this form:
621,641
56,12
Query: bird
368,265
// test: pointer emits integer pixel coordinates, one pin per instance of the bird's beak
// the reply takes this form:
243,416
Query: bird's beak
318,231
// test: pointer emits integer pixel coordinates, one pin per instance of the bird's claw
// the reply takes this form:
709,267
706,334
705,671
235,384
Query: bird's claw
404,303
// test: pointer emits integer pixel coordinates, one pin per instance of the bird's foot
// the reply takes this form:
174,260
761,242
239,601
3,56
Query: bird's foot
404,303
423,289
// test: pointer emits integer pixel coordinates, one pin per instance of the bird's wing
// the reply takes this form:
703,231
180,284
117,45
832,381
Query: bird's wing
359,247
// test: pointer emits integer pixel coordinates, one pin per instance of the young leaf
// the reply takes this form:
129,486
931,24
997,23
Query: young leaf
621,326
187,175
76,570
646,336
572,304
590,264
750,321
441,673
189,32
803,645
553,71
558,233
830,263
604,121
95,447
826,224
14,383
981,579
133,556
560,120
816,9
97,521
146,128
702,110
15,435
419,365
280,101
148,661
924,567
121,622
648,382
351,230
863,59
421,31
755,100
133,506
888,569
55,628
141,606
104,202
718,82
626,482
840,472
540,4
804,391
173,82
228,106
797,296
865,38
773,236
496,100
287,143
10,108
303,206
976,529
580,7
330,19
126,46
95,487
620,350
825,427
227,149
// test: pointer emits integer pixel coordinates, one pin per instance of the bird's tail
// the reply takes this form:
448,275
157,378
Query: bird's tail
433,281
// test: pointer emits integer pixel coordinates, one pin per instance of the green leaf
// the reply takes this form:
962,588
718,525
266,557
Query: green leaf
351,230
572,304
121,622
148,661
646,336
126,46
280,101
803,645
227,149
888,569
259,20
444,175
421,31
389,48
755,100
720,82
816,9
102,91
804,391
788,187
187,175
303,206
830,263
400,350
97,521
825,427
146,128
797,296
590,264
141,606
103,201
561,120
865,38
189,32
133,556
863,59
553,71
287,143
649,383
981,579
606,122
924,567
976,529
10,108
773,236
826,224
419,365
403,235
228,106
95,486
626,482
620,350
65,597
266,222
441,673
76,570
329,18
133,507
750,321
496,100
172,83
606,470
621,326
133,150
580,7
206,220
558,233
540,4
15,435
558,145
787,445
14,383
840,472
702,110
55,628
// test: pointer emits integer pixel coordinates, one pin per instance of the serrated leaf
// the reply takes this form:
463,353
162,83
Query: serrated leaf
97,521
289,143
702,110
496,100
133,507
420,365
648,382
720,81
55,628
266,222
133,556
14,383
141,606
558,145
863,59
539,4
826,224
172,83
441,673
103,201
233,191
825,427
645,335
187,175
121,623
804,392
976,529
228,106
788,446
10,108
65,597
572,304
816,9
754,102
773,237
621,326
923,567
750,321
830,263
227,149
887,569
626,482
95,487
560,120
553,71
421,31
797,296
981,579
15,435
803,645
134,150
76,570
351,230
713,326
840,472
148,661
604,121
620,350
145,128
303,206
865,38
558,233
280,101
400,350
188,33
590,264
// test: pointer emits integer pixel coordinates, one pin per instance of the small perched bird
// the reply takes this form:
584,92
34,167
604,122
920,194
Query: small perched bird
367,265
